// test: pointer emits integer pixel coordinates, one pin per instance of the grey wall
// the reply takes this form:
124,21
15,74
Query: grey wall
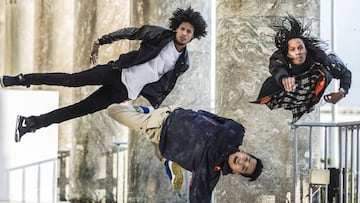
149,182
244,44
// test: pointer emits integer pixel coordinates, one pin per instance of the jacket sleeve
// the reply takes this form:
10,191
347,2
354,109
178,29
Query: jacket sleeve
339,71
278,66
145,32
227,122
217,118
202,185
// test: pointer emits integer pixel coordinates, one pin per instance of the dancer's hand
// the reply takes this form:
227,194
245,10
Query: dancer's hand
94,52
334,97
288,83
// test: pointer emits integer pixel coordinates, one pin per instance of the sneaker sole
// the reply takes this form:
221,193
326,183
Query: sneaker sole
2,82
178,178
17,133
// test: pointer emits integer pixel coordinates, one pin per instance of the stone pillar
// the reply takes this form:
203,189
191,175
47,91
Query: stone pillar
244,43
148,181
19,34
91,175
2,36
3,193
53,52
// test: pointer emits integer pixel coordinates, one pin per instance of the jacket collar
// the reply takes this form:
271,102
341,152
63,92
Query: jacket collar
222,163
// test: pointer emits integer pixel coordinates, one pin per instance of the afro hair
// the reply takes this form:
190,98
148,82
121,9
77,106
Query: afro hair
190,16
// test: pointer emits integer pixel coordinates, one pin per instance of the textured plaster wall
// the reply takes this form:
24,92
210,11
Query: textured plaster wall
244,44
95,133
2,36
147,178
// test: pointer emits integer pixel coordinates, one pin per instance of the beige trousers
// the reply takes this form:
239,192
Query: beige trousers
149,124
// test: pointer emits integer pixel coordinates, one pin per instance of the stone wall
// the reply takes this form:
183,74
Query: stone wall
149,182
92,141
244,43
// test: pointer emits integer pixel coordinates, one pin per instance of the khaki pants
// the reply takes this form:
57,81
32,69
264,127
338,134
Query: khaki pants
149,124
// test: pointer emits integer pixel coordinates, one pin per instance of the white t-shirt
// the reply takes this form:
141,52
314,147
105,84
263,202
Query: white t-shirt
136,77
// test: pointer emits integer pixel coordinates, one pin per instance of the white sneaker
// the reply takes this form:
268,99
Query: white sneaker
143,109
175,174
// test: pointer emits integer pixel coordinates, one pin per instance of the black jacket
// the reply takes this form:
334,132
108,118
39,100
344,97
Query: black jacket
280,66
199,141
154,39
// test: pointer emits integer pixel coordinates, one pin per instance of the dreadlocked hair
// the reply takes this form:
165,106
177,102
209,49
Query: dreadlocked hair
291,28
190,16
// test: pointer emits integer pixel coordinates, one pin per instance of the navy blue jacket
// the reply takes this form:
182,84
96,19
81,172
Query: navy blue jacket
200,141
153,40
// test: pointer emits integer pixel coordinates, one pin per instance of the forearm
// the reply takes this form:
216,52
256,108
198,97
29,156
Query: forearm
124,33
145,32
278,67
345,81
339,71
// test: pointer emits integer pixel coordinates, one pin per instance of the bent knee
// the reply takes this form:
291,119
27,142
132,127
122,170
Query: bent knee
113,110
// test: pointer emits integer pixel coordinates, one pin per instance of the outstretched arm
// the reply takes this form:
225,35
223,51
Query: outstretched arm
124,33
145,32
339,71
279,68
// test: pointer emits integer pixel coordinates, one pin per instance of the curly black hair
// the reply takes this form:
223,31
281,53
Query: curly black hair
291,28
190,16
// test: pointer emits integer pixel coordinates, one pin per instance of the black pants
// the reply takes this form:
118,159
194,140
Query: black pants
112,91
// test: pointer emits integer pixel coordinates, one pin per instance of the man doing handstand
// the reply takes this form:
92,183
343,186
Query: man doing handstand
200,142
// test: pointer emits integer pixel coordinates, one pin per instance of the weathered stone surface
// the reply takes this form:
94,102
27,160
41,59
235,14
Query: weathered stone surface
244,44
191,91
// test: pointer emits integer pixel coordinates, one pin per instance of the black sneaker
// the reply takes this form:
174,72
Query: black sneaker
21,128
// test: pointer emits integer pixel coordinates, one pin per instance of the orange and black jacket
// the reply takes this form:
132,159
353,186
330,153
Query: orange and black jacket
280,66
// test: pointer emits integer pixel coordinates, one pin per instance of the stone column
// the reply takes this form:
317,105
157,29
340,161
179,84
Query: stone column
2,36
244,43
148,181
19,34
53,52
92,169
3,192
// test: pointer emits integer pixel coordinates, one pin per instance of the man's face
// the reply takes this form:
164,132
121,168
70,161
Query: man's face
184,33
241,163
297,51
